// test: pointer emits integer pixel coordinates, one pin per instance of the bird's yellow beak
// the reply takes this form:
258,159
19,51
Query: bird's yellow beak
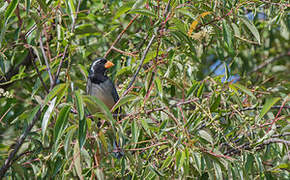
109,64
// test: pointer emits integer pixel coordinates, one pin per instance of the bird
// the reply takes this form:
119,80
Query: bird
102,87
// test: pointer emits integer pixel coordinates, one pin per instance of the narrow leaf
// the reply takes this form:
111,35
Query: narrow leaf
227,72
33,113
77,160
54,92
159,86
123,9
200,90
10,9
205,135
43,5
47,116
124,100
82,132
143,12
167,162
61,121
267,106
138,4
252,28
227,33
244,89
80,105
94,104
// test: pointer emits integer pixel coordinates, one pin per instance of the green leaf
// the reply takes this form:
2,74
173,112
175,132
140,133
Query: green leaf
205,135
77,160
68,138
123,9
267,106
72,10
227,72
167,162
283,166
54,92
244,89
27,6
180,156
86,29
61,122
252,28
249,162
145,126
82,132
155,170
200,90
80,105
259,164
135,133
10,9
218,171
103,140
138,4
57,166
143,12
4,6
33,113
227,33
47,116
124,100
43,5
94,105
192,89
216,103
236,29
159,86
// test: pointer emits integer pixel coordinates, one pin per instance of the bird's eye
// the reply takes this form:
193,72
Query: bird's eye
103,61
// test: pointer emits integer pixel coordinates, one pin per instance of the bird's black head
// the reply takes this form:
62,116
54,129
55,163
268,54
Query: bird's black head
98,69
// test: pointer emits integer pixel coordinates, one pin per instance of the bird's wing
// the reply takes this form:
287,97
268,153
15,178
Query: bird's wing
89,87
114,92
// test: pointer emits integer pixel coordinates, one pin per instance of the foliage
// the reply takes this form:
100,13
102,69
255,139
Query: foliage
211,100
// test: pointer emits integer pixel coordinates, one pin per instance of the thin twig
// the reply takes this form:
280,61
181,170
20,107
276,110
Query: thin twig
6,113
123,52
148,147
46,63
126,116
22,138
248,146
120,36
277,115
260,107
142,61
269,61
18,144
66,47
37,71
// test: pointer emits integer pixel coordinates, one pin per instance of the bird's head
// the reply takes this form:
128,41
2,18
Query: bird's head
99,67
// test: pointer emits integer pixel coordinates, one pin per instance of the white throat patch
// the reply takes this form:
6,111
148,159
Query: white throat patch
92,67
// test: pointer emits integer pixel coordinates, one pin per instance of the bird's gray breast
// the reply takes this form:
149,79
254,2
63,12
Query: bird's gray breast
103,91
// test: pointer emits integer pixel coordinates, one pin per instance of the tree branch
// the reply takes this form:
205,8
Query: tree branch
120,36
248,146
142,61
269,61
19,143
66,47
46,63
